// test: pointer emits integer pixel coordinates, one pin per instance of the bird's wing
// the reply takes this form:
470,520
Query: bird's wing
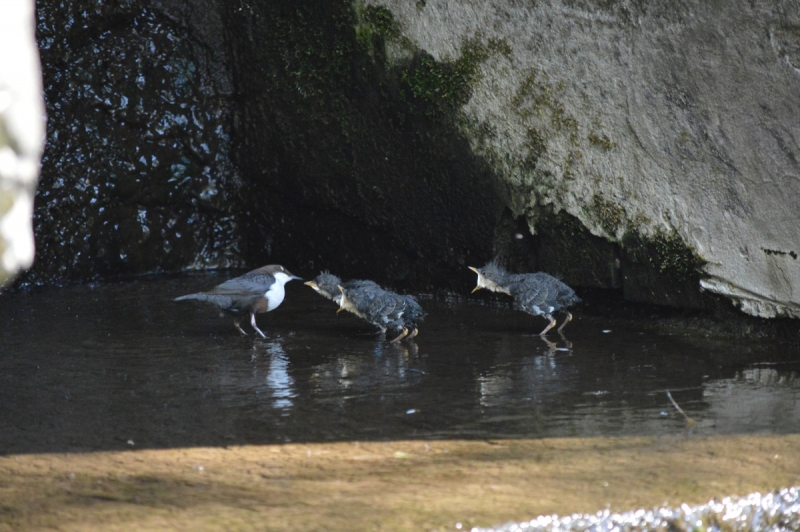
414,311
531,296
383,307
251,283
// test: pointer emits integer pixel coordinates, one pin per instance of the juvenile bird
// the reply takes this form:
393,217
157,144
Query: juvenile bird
256,292
539,294
367,300
383,308
327,285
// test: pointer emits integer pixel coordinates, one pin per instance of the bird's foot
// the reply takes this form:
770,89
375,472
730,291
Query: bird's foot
400,336
549,325
569,319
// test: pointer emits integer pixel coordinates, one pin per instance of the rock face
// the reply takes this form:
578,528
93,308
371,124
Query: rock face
137,173
648,148
200,133
348,168
21,135
676,126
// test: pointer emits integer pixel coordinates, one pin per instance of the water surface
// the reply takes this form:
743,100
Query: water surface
120,365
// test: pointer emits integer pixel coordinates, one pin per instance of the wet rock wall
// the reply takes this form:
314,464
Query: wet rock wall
210,134
347,168
137,173
404,142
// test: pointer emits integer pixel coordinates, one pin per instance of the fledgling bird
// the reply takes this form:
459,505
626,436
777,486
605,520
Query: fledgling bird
327,285
367,300
385,309
538,294
256,292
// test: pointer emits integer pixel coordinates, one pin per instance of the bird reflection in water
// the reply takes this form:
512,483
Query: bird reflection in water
552,347
279,382
404,350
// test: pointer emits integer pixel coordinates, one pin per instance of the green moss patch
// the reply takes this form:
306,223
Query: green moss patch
665,251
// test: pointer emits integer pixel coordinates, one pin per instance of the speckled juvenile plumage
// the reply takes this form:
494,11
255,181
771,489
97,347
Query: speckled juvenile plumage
327,285
539,294
257,291
387,310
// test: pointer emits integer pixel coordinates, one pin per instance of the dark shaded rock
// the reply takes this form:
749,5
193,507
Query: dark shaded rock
562,247
136,174
340,161
348,167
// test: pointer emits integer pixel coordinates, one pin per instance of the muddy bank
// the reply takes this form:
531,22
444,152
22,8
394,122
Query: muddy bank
398,485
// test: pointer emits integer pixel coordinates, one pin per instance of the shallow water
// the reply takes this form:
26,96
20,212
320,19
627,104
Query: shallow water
116,366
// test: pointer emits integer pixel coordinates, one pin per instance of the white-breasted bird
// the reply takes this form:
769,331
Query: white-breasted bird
256,292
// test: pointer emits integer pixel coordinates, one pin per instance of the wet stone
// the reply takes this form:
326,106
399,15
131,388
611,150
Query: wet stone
136,174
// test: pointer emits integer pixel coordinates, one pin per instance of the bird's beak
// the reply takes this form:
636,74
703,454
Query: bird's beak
479,274
296,278
340,305
312,284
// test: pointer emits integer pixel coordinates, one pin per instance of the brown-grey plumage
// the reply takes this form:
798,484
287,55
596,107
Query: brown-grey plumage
385,309
256,292
539,294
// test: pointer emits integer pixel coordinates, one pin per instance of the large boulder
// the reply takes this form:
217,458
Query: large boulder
670,129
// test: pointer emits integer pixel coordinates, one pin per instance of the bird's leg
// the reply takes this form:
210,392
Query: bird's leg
400,336
413,334
239,327
253,323
549,325
569,319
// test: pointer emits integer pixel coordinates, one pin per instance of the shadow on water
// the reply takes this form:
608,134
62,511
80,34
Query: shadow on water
120,366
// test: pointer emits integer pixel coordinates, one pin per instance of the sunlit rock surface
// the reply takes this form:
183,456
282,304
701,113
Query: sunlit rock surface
21,135
774,512
677,123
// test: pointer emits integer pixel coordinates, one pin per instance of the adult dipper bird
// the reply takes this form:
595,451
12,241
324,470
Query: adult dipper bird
383,308
539,294
255,292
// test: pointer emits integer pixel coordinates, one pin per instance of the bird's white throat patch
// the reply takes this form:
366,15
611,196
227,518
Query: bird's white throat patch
276,292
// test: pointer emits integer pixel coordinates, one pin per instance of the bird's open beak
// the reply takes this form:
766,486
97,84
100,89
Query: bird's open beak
312,284
476,271
340,305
